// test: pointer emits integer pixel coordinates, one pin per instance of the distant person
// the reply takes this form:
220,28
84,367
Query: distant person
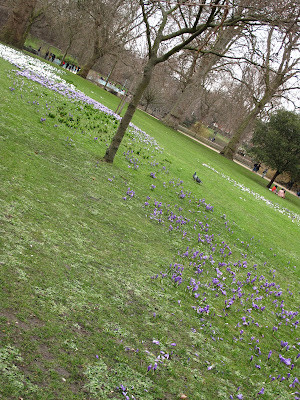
298,192
281,193
264,172
53,57
39,51
256,167
47,55
274,189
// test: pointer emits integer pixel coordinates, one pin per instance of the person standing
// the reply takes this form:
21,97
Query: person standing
256,167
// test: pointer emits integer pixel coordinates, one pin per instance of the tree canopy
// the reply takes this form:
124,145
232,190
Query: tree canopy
169,28
277,143
206,48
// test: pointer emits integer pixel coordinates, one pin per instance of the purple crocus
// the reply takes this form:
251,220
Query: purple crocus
293,384
286,361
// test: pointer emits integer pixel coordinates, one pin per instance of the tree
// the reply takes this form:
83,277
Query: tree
151,97
15,30
110,25
171,26
277,143
203,62
67,23
278,64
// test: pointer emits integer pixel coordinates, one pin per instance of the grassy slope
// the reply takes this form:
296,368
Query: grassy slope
78,301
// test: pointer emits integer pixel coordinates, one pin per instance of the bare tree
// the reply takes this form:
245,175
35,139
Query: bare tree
110,25
15,30
68,23
204,59
278,64
151,97
166,38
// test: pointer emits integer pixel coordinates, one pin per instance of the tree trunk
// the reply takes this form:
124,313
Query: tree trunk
273,80
273,179
89,65
33,17
66,51
230,149
15,30
177,113
115,143
97,53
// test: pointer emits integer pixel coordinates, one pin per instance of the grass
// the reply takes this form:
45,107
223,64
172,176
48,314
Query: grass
104,275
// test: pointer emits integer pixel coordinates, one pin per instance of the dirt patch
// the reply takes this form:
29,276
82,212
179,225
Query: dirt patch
45,353
75,387
35,322
32,321
63,372
13,320
41,366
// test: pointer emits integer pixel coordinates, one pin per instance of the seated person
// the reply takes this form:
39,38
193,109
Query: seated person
274,189
281,193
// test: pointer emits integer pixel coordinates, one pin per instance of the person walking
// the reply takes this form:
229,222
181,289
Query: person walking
264,172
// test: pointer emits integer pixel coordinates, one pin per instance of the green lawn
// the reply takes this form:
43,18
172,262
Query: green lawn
107,271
